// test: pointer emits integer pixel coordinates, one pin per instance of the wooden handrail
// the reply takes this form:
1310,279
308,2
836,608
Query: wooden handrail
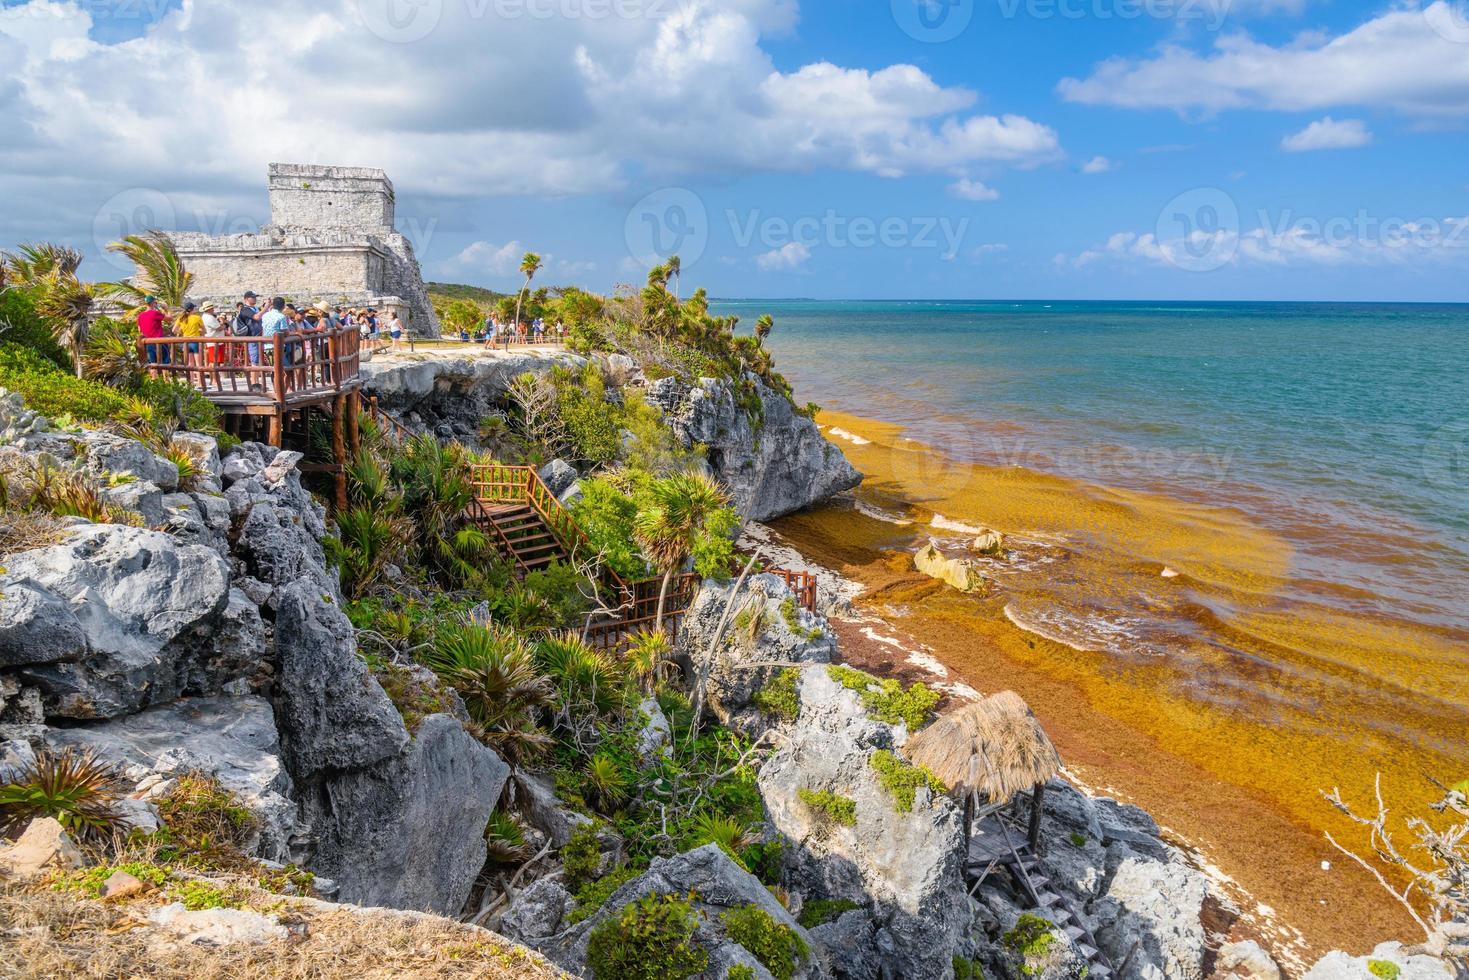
312,363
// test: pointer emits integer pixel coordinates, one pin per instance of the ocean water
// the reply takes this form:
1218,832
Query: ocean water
1343,427
1237,549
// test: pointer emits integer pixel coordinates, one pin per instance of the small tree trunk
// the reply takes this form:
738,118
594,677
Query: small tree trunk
702,669
663,597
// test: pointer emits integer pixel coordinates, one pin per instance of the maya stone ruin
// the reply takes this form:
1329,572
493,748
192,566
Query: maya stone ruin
331,238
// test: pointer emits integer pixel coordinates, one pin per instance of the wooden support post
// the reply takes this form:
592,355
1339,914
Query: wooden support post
276,421
354,429
1037,796
339,448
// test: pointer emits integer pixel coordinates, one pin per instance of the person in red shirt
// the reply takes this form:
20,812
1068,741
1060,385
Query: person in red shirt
153,325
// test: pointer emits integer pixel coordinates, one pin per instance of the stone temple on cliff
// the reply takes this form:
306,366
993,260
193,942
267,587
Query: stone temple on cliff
331,237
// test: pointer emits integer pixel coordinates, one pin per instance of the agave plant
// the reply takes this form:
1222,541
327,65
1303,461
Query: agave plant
606,783
111,356
73,786
716,828
582,675
368,540
495,674
160,271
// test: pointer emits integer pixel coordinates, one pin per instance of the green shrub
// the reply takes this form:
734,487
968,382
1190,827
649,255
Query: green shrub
967,969
885,699
1078,840
197,896
766,860
775,945
779,698
52,391
793,622
840,809
903,780
593,894
581,857
652,939
740,972
21,326
89,881
1031,937
820,911
1384,969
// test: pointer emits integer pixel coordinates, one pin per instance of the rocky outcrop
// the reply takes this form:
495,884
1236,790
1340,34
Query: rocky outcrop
102,623
901,867
450,394
409,832
1390,960
955,572
715,885
766,630
232,739
772,467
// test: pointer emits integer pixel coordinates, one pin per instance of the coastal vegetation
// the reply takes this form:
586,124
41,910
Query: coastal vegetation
903,780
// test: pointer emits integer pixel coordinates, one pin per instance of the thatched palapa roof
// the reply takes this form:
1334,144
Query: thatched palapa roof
995,745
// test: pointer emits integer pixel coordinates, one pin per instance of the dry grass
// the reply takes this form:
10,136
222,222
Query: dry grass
994,745
49,933
22,530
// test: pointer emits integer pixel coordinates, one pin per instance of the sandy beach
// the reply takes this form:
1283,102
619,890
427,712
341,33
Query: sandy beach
1237,780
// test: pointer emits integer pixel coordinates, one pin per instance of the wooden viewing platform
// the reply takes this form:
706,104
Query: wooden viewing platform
274,382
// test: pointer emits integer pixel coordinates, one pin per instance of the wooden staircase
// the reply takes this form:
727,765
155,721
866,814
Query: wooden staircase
522,535
992,845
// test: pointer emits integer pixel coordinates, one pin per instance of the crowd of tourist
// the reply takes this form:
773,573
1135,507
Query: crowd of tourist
493,331
306,327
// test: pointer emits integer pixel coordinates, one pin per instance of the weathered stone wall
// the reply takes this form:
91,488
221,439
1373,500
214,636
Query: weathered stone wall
331,239
312,196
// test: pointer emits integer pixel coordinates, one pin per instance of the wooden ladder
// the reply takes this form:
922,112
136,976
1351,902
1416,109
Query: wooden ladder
1060,912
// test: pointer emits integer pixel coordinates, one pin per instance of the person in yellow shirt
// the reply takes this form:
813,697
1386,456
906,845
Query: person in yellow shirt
191,324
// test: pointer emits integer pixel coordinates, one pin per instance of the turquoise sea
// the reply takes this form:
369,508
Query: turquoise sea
1343,427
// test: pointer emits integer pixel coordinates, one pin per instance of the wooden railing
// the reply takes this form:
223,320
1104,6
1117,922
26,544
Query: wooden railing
283,368
637,602
803,584
390,427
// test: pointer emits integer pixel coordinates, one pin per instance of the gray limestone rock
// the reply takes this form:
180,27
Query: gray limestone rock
143,602
409,832
108,454
775,468
537,912
766,629
333,714
232,739
905,866
718,885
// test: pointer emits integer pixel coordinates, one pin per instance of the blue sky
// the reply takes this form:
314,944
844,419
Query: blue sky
1210,149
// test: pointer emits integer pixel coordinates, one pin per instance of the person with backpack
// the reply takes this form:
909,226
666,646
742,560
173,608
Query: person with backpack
247,324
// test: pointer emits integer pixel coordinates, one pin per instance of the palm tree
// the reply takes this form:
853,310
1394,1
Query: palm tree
666,529
50,273
530,264
674,268
763,326
161,272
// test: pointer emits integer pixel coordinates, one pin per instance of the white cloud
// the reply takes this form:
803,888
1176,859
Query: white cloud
981,252
1356,241
1328,134
1098,165
790,256
973,190
497,260
1404,59
482,105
